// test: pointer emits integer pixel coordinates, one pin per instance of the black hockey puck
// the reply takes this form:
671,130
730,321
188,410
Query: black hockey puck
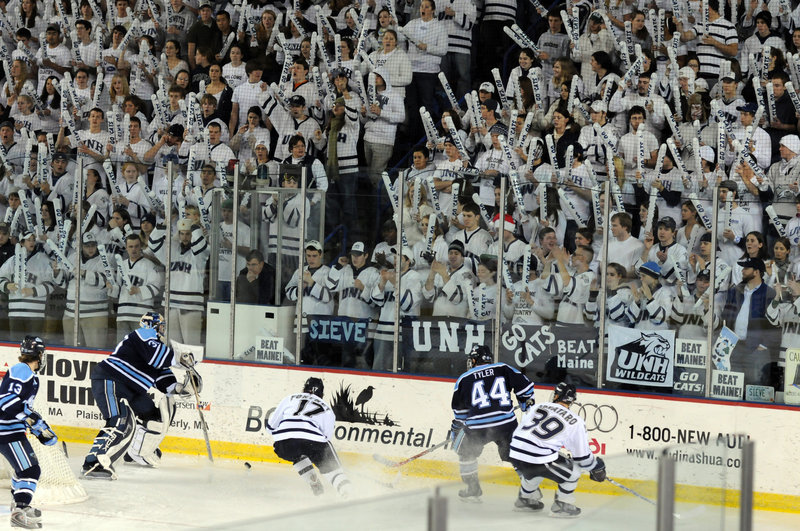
247,465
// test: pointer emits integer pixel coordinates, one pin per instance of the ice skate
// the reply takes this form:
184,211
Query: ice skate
316,485
472,494
98,471
528,504
561,509
26,517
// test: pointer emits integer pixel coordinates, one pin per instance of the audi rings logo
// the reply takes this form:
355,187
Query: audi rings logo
603,418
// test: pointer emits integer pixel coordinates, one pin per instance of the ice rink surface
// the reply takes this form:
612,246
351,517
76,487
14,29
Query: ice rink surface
188,492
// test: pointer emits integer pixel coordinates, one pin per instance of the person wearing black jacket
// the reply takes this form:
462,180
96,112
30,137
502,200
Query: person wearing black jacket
256,282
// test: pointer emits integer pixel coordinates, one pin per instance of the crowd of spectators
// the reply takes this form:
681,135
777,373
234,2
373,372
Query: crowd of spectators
675,104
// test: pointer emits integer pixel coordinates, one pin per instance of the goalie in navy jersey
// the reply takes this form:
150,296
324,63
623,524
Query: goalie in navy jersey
17,393
120,383
302,426
535,453
484,413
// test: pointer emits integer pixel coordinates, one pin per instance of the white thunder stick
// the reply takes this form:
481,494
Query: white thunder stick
651,211
417,197
676,155
705,217
507,152
512,129
640,158
603,134
515,186
451,97
728,211
551,149
484,213
429,234
542,195
628,37
501,90
455,188
59,254
451,128
567,201
88,218
101,250
598,212
775,220
771,104
673,125
534,76
793,96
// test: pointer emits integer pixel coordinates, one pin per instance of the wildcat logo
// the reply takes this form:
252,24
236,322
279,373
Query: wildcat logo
647,359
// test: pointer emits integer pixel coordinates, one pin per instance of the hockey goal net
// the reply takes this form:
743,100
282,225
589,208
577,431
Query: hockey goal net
57,483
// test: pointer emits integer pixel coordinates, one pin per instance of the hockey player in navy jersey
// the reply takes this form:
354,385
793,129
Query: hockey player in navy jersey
120,383
542,432
17,393
302,426
484,413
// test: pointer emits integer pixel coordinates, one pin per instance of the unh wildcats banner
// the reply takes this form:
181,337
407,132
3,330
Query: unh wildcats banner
640,357
433,337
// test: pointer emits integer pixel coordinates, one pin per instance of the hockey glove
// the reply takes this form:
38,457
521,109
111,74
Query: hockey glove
455,427
41,430
598,473
524,406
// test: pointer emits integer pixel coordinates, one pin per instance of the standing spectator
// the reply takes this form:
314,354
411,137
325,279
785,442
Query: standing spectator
27,296
93,308
553,44
136,288
746,310
354,279
317,300
229,260
187,277
427,44
719,43
204,32
381,118
460,17
383,295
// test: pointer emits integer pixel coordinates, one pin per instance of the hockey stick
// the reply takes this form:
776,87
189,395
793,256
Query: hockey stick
187,360
631,491
395,464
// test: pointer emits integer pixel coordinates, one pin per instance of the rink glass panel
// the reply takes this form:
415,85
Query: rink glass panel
430,341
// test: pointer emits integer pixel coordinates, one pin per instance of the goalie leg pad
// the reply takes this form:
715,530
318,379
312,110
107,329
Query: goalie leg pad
113,440
149,434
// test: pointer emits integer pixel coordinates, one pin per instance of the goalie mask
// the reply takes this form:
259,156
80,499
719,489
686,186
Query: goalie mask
155,321
314,386
564,393
32,349
479,355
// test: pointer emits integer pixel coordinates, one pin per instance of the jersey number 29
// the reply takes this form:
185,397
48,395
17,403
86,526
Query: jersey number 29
498,392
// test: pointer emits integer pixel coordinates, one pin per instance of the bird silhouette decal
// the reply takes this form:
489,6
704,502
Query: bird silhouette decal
364,397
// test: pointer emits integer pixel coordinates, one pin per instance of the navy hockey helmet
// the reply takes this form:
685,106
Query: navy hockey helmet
565,393
32,349
153,320
314,386
479,355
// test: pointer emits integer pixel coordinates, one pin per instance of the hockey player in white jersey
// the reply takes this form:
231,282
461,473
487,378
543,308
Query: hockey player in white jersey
302,426
542,432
